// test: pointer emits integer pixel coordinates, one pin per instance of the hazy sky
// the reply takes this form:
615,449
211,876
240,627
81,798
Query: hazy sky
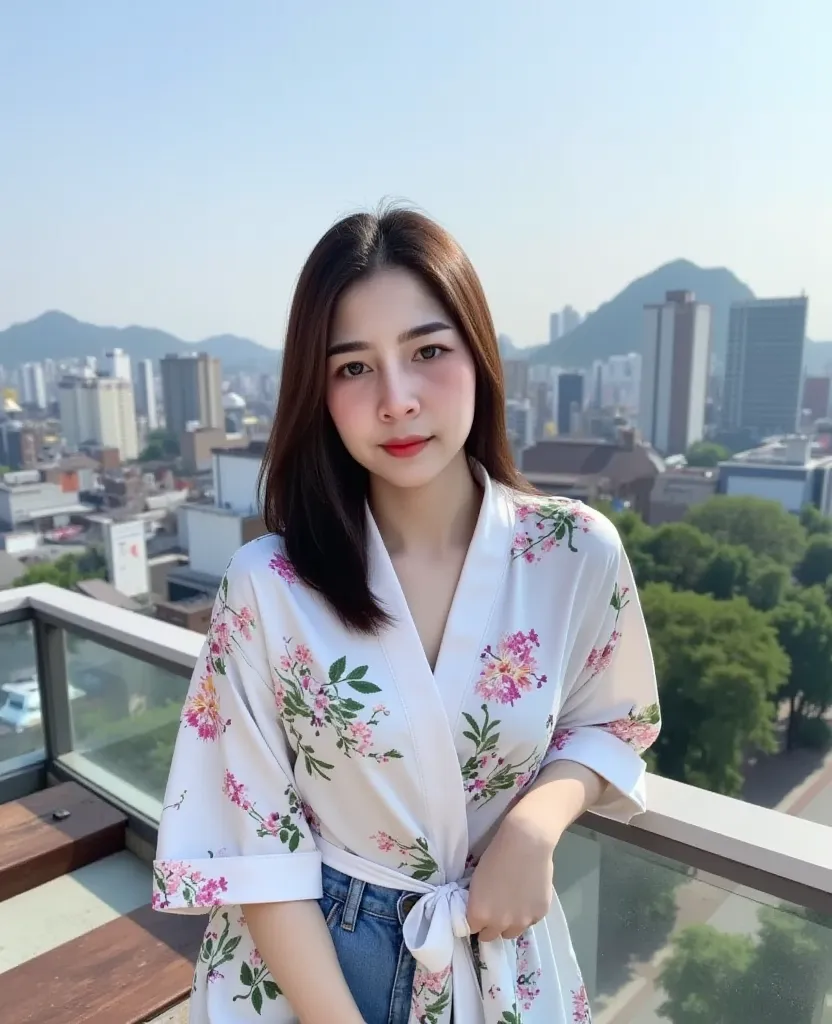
171,162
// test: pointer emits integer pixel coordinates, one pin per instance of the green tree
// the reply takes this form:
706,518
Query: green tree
816,564
727,572
678,554
161,444
767,583
761,525
706,454
814,521
804,628
719,667
781,976
66,571
702,977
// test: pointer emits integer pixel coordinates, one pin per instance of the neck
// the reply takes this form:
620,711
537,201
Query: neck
428,521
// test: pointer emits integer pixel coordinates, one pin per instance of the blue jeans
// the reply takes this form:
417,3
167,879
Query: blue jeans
365,922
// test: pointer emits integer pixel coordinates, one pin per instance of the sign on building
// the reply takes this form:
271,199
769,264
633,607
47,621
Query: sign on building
127,557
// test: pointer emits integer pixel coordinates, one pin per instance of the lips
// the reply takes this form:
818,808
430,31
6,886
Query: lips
406,447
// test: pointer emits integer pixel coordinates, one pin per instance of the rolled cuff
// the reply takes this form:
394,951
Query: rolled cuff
197,886
611,758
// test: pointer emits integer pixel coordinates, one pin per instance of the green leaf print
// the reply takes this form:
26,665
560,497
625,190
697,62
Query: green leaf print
302,697
246,974
417,860
485,773
545,524
512,1016
217,948
255,978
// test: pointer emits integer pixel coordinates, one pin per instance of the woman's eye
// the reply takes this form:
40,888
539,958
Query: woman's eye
352,369
429,351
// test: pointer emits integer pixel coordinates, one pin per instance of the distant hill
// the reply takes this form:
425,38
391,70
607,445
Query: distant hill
56,335
617,326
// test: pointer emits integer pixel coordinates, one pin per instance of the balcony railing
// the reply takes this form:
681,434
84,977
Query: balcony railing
693,895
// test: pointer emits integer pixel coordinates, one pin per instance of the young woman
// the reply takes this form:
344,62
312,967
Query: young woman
411,686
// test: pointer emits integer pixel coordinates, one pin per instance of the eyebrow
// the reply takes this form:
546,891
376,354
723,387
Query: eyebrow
411,334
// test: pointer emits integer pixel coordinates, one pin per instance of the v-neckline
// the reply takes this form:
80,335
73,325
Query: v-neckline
477,588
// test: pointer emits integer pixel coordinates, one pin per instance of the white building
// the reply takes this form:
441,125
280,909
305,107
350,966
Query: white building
33,385
674,372
99,410
146,393
782,470
120,365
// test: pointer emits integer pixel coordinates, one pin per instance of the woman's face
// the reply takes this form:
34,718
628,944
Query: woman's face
401,383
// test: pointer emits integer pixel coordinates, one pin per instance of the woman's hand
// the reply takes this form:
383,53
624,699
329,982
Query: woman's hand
511,888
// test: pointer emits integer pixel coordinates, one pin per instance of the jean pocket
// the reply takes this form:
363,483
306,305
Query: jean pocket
330,908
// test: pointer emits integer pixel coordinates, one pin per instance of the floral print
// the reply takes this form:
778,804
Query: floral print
281,826
640,729
528,976
202,710
580,1007
486,773
223,638
510,671
417,861
301,696
177,883
281,565
257,982
545,524
217,948
599,658
431,995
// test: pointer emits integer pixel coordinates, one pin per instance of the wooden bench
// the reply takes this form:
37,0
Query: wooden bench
124,972
60,829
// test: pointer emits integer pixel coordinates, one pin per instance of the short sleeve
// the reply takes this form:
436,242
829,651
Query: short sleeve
233,829
609,715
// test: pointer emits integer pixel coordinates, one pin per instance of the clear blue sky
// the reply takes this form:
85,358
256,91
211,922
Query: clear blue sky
171,162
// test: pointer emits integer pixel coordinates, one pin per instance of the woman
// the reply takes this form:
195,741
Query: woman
411,686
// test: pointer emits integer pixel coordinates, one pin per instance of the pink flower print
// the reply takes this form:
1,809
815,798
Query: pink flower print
580,1007
510,671
220,639
362,734
312,818
177,880
280,564
244,621
599,658
560,738
202,710
235,791
303,656
280,699
527,986
255,959
639,730
435,981
384,842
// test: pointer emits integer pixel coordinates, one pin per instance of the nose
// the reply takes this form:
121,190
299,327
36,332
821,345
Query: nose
397,400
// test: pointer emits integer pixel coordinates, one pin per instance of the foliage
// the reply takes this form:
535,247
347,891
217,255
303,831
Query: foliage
763,526
804,628
783,975
66,571
706,454
816,564
719,667
814,521
161,444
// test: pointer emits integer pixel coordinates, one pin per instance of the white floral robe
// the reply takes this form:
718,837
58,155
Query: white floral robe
302,742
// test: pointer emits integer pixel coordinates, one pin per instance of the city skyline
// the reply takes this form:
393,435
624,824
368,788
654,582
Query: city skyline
586,148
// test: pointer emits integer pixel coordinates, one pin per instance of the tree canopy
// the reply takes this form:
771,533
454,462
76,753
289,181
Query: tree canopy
763,526
706,454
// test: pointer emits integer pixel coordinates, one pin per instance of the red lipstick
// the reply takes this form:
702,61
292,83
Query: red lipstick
405,447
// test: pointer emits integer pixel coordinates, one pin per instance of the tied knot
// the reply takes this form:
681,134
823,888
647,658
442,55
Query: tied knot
436,921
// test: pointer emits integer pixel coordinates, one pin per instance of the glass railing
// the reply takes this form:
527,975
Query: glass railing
21,716
125,714
672,918
658,942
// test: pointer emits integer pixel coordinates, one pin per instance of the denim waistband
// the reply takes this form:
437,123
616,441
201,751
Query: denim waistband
392,904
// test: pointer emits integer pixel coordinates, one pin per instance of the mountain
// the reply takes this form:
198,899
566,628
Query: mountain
57,336
617,326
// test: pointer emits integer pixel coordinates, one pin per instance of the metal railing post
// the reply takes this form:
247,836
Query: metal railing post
54,688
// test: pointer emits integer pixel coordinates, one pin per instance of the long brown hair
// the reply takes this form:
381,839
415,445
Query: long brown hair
311,490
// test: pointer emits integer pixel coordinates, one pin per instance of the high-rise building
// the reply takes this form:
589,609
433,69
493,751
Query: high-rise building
99,410
554,327
764,366
570,401
569,320
33,385
816,395
120,364
146,393
674,372
192,392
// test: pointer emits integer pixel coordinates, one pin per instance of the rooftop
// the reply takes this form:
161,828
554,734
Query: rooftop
75,887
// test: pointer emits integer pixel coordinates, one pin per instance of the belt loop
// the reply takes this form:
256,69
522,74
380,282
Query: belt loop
353,904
